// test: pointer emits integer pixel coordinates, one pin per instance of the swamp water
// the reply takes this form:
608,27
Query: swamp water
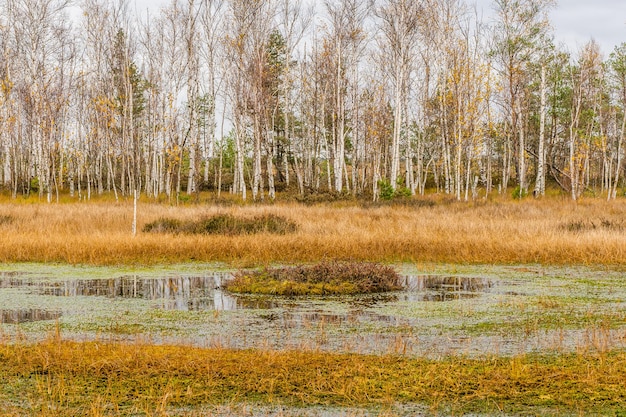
470,311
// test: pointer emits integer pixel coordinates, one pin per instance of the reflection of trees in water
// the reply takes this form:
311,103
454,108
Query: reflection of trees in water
26,316
442,288
12,279
224,302
200,293
317,318
174,293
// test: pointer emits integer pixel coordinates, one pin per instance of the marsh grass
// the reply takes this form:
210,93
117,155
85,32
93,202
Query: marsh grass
318,279
499,232
63,378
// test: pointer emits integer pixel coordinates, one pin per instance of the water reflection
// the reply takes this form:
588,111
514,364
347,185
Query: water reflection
170,293
200,293
204,292
443,288
309,318
26,316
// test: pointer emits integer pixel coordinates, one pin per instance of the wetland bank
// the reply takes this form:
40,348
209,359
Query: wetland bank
155,334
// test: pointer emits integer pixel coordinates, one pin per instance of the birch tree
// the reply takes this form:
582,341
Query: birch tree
39,34
293,20
400,28
250,26
585,85
211,18
520,25
345,39
617,65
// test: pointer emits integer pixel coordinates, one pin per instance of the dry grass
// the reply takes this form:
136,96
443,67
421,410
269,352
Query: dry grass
64,378
529,231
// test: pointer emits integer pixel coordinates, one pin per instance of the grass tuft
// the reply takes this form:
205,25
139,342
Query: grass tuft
321,279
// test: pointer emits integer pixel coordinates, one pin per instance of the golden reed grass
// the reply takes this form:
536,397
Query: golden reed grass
549,231
64,378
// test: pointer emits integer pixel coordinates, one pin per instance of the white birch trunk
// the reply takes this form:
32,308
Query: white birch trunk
540,184
620,151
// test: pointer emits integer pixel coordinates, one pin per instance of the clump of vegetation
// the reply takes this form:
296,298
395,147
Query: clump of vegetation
312,197
387,192
519,193
231,225
225,224
6,219
401,202
588,225
325,278
164,225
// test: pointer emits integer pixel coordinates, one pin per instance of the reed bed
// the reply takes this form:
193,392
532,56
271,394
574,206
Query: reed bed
549,231
64,378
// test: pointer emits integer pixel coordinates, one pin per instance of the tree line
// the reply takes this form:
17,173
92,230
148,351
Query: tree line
369,97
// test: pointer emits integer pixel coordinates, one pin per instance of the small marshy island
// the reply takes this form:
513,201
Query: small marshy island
327,278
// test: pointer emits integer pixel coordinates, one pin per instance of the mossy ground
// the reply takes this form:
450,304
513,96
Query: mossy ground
63,378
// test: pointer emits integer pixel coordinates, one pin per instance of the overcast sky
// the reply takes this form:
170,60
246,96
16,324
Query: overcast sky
574,21
577,21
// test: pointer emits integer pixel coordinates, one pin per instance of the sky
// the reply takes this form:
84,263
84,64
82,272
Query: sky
575,22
